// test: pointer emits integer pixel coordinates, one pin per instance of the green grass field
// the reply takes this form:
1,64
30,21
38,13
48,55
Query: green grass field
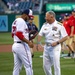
6,61
6,65
5,38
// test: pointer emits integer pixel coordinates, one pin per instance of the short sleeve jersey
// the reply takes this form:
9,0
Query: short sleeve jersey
19,25
68,24
53,32
72,18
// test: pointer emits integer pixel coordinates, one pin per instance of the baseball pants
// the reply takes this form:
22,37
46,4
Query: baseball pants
22,55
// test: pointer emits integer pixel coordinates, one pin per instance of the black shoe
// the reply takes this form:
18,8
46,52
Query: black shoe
62,52
69,54
32,55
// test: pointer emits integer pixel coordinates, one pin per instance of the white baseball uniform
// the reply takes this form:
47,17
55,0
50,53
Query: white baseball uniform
51,55
20,49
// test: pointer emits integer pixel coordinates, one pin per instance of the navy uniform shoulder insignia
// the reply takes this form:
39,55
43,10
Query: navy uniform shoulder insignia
59,23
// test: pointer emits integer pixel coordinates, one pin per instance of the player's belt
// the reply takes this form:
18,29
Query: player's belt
48,44
18,42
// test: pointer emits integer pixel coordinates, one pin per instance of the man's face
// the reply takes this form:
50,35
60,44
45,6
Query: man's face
30,20
48,17
26,17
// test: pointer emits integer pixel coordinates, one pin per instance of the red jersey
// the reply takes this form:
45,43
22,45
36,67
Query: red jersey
72,18
67,24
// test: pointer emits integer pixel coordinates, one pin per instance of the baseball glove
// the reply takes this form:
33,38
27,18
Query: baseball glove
32,34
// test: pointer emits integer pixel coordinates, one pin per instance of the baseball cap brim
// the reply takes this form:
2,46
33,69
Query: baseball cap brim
31,17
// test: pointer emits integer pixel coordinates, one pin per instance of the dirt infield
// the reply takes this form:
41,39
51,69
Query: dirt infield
8,48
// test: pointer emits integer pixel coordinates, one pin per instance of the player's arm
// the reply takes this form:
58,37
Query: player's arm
39,38
38,46
28,42
72,30
21,37
40,34
59,41
62,40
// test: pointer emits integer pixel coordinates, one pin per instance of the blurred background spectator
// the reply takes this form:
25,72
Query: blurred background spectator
36,5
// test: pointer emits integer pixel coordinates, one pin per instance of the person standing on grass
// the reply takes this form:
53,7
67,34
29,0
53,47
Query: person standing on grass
54,34
21,46
69,28
72,18
32,27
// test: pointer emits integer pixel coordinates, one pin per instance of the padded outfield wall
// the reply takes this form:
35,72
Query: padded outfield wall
7,19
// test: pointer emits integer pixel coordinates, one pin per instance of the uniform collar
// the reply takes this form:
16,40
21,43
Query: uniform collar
53,22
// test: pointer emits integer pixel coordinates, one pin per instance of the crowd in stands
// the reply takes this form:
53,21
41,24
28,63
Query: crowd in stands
20,5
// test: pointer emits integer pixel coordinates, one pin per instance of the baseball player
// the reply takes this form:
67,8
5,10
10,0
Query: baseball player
72,18
32,27
69,28
21,46
54,34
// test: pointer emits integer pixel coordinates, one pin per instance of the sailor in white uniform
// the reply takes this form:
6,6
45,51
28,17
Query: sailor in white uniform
54,34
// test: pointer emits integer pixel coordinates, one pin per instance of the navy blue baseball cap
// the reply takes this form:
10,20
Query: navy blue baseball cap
28,12
66,14
73,10
60,18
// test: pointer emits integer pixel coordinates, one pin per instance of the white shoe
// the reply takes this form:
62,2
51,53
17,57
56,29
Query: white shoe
73,55
67,57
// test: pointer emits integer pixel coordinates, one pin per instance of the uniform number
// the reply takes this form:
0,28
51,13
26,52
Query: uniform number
14,28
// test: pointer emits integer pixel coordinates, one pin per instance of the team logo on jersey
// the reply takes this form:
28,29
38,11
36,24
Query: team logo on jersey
54,28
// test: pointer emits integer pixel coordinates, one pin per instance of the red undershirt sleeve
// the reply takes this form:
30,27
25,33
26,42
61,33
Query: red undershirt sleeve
20,35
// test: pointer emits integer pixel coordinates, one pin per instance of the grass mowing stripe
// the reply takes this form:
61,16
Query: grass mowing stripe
6,65
5,38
